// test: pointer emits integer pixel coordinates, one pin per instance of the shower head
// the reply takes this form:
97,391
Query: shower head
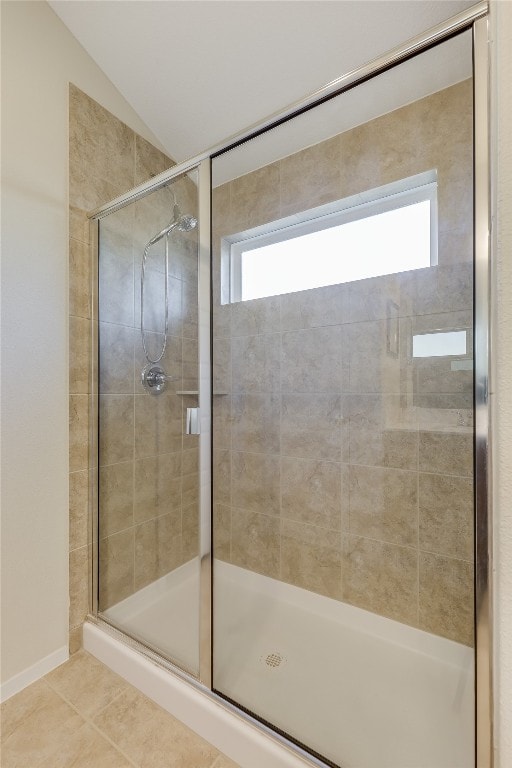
186,223
181,223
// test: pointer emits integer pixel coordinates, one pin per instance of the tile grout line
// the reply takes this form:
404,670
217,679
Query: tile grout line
29,714
88,719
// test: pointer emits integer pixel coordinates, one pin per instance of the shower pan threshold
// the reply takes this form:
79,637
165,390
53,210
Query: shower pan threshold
275,661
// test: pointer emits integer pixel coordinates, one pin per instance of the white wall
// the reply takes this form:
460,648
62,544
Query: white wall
501,30
39,58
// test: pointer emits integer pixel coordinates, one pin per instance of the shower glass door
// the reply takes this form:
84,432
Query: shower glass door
148,526
343,421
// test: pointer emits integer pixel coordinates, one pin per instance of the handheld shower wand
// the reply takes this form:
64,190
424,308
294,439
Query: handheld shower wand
182,223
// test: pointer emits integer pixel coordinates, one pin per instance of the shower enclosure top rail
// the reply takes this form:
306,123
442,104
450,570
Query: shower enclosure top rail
415,45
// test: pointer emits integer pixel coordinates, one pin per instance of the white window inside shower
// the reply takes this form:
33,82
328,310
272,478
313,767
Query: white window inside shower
389,229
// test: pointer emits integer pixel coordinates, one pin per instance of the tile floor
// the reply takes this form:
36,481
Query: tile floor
82,715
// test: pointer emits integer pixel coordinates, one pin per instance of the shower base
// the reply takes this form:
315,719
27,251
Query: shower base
363,690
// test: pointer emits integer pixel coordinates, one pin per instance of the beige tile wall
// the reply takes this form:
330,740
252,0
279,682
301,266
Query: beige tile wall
340,466
141,482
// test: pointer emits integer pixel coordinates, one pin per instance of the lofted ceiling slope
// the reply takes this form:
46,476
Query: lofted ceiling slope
198,71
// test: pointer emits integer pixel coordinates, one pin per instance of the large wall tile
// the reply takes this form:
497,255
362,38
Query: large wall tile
146,568
188,460
158,424
374,365
255,542
311,558
116,429
360,167
221,320
455,247
116,564
311,177
250,318
79,224
158,488
79,355
221,364
455,200
312,360
255,197
190,489
148,160
79,279
255,423
378,298
87,192
255,482
449,453
222,532
446,597
190,535
221,476
435,375
380,577
116,292
382,432
115,498
314,308
444,289
116,359
256,363
446,514
189,303
190,356
384,504
105,144
79,569
313,427
79,533
78,432
311,492
222,421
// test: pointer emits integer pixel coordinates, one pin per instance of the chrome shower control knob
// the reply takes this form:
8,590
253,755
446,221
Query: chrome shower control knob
154,379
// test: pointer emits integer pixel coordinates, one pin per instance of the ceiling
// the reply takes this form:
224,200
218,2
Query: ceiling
198,71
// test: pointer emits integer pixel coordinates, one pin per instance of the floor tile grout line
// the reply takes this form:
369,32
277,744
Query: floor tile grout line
29,714
113,744
88,719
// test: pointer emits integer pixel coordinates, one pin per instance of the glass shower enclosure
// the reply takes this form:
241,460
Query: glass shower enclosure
286,336
149,401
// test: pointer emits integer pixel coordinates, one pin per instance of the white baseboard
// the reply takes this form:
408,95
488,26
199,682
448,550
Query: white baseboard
33,673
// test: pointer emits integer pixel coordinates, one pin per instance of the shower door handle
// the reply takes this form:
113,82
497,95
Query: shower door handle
192,423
